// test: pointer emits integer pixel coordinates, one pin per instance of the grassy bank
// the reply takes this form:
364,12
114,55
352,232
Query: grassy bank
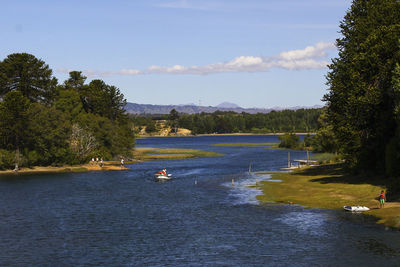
140,154
107,166
171,153
328,187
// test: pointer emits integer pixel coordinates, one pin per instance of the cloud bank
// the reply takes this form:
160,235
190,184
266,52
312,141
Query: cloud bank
311,57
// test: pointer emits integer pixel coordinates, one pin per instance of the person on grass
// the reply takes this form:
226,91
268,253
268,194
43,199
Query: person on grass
382,199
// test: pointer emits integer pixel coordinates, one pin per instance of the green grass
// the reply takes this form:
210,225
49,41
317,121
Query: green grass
328,187
246,144
323,157
171,153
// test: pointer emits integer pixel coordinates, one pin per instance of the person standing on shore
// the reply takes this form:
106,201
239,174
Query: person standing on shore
382,199
122,163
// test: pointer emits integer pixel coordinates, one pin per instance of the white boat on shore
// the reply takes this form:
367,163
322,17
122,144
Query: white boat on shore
356,208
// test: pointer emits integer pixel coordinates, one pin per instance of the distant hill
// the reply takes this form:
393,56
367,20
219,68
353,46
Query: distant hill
134,108
228,105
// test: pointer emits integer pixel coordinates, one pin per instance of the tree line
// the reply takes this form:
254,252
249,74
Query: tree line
43,122
301,120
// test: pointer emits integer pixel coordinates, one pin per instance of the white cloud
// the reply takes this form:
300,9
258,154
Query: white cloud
63,70
307,58
309,52
130,72
92,73
311,57
185,4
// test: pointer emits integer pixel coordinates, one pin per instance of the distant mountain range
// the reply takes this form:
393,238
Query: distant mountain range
134,108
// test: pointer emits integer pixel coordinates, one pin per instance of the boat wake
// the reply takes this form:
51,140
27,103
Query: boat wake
244,190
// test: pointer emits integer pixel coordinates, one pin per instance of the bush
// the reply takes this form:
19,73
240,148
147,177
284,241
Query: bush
392,157
7,159
33,158
289,140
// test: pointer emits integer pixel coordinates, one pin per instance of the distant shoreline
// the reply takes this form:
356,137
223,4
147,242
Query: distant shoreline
223,134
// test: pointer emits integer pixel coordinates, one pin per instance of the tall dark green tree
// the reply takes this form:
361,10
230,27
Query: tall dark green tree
48,136
104,100
361,97
392,157
14,122
75,81
173,119
31,76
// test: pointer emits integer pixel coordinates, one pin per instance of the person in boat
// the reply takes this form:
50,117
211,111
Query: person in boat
382,199
162,172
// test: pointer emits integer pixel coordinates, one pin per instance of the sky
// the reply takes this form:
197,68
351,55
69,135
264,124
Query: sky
254,53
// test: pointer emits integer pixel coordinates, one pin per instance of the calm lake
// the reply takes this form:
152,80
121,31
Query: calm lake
125,218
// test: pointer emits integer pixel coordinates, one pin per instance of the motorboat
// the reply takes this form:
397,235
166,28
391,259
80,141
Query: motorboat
161,176
356,208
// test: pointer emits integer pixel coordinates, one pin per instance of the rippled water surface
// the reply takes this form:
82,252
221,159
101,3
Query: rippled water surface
126,218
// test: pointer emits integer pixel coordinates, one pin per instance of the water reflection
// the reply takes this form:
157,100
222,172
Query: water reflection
305,222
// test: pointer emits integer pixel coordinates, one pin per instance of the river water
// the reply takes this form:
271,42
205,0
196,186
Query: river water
125,218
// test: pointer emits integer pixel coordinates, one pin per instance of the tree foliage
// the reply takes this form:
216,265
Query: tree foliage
27,74
362,100
324,140
289,140
42,123
302,120
14,120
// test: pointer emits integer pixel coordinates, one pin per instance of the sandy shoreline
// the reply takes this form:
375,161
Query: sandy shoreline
224,134
74,168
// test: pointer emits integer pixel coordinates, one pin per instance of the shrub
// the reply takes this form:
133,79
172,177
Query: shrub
7,159
289,140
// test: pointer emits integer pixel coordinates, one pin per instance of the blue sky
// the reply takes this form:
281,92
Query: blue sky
253,53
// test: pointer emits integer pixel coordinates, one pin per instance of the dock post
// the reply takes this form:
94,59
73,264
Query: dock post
288,163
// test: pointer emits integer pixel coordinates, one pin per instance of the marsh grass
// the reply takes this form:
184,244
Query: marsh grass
324,157
328,187
171,153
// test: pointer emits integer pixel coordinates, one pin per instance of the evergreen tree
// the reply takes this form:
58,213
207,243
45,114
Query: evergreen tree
31,76
360,101
14,121
42,123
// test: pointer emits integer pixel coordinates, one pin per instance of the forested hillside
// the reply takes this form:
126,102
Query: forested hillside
302,120
43,122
